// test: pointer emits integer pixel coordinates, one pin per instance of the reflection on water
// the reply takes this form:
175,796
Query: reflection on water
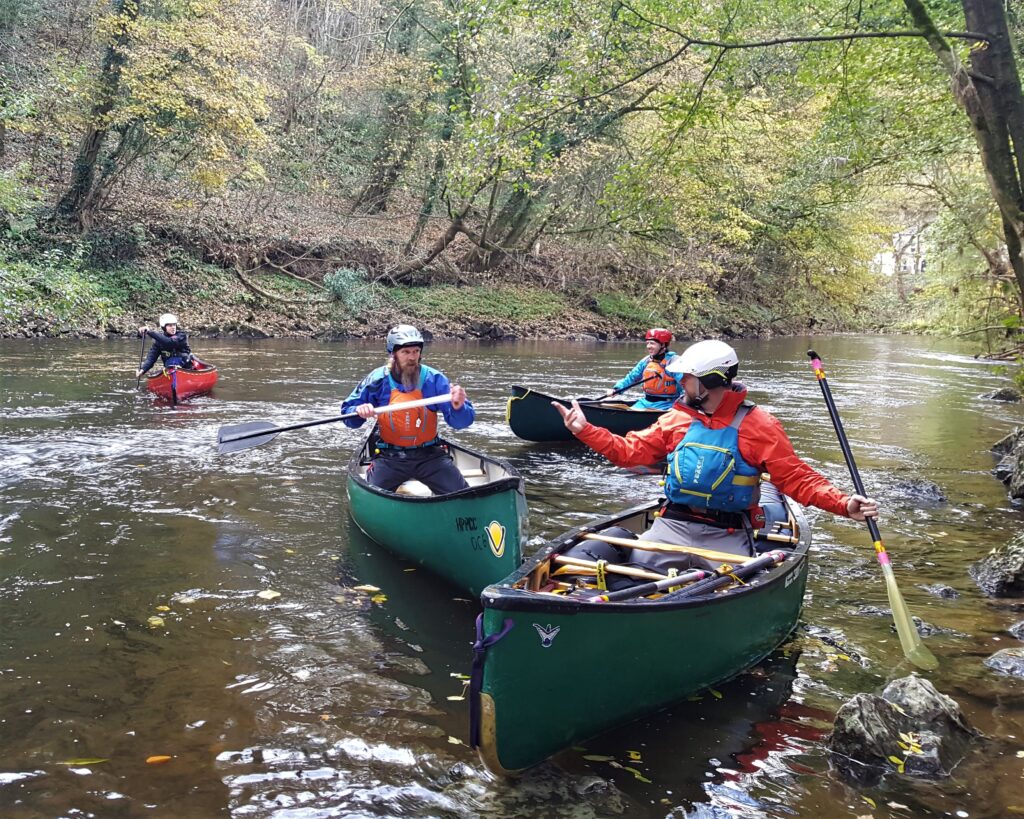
133,555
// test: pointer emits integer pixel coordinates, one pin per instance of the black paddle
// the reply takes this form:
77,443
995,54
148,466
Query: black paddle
910,640
617,392
720,578
236,437
142,356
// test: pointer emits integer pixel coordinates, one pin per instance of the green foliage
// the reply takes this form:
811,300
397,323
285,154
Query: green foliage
55,289
18,200
354,290
491,303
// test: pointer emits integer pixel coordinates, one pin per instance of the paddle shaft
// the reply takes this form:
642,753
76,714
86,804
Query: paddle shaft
404,405
614,568
910,640
619,391
721,577
142,357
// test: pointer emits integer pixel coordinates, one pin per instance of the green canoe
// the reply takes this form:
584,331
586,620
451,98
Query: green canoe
471,537
532,417
554,666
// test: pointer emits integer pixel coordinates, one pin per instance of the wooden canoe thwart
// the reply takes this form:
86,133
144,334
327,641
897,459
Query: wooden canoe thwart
471,538
530,415
559,659
176,384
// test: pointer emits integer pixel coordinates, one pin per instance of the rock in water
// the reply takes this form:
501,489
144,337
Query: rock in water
1008,661
912,729
1001,572
1003,394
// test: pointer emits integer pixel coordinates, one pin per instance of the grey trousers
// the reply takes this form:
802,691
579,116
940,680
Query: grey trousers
690,533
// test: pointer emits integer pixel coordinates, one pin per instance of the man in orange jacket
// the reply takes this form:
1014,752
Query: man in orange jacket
717,445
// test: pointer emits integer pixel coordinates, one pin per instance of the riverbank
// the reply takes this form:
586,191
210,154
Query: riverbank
107,284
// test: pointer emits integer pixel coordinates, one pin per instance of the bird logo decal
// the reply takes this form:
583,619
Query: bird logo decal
547,633
496,538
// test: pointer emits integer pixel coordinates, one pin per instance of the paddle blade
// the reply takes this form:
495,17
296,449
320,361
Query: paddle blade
910,640
235,437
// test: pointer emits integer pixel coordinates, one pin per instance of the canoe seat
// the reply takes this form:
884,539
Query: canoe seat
414,488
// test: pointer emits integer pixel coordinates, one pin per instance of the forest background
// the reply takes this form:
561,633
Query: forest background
511,167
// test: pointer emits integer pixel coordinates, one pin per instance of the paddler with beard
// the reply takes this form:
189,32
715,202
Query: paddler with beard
408,447
717,445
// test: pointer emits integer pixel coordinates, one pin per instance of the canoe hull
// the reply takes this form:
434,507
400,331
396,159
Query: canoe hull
176,384
569,669
530,415
470,538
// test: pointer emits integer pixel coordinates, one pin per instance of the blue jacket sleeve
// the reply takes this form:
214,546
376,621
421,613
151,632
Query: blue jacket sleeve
367,392
154,354
634,375
437,384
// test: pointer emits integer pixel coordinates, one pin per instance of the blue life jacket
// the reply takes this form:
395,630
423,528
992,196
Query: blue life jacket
707,471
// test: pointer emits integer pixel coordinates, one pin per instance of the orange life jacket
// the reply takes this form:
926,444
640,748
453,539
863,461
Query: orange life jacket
411,427
662,383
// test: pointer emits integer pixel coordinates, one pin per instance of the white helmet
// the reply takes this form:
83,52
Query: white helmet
168,318
714,362
404,335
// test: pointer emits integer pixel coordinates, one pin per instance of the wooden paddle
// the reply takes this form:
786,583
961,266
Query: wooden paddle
910,640
236,437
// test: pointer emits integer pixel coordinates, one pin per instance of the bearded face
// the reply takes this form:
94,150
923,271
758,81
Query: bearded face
405,366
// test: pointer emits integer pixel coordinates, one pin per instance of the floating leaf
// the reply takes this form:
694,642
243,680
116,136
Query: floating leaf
163,608
634,755
458,675
870,801
155,622
366,587
183,599
289,551
456,698
87,761
716,694
637,774
694,698
1020,754
455,741
379,598
598,758
159,759
409,570
269,594
339,598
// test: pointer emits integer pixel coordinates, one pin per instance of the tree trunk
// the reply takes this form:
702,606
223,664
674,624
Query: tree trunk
72,204
991,97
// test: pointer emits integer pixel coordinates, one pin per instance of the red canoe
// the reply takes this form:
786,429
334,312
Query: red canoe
176,384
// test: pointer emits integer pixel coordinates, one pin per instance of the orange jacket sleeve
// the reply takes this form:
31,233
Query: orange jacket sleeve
763,442
644,448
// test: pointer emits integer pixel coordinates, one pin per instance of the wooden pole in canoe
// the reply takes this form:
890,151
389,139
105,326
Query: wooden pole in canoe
652,546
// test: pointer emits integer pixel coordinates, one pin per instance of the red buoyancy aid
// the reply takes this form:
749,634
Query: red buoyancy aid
410,427
662,383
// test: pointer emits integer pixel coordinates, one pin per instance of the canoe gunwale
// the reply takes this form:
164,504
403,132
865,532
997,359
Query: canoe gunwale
502,596
530,415
514,482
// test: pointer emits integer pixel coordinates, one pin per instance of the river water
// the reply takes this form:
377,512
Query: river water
115,509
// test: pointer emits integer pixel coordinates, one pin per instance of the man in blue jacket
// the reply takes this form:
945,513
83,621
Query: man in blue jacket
408,447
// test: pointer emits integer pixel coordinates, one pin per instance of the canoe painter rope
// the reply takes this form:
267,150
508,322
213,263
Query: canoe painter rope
476,674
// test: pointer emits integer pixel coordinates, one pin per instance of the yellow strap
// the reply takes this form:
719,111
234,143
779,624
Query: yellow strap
746,480
673,572
602,581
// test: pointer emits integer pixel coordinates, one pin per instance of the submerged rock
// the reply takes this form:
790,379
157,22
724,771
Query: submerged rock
1004,394
1017,630
940,590
919,492
1008,661
1001,572
911,729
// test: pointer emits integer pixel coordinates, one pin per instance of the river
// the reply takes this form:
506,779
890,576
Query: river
115,508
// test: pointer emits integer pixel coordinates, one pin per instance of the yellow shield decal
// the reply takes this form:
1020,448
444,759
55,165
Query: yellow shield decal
496,538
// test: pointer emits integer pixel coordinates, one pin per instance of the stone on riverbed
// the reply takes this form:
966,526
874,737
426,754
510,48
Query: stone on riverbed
1017,630
911,729
1008,661
1001,572
1004,394
940,590
1010,470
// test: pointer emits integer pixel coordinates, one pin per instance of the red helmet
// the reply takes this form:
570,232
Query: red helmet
659,335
